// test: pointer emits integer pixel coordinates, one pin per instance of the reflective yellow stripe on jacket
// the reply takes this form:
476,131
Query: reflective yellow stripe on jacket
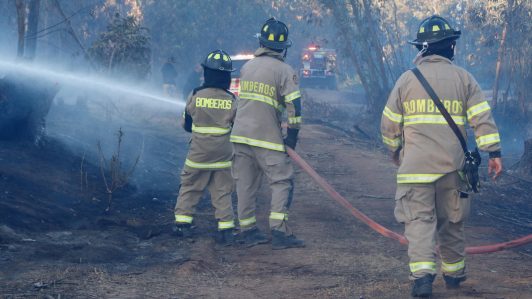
260,98
210,130
292,96
215,165
391,142
395,117
294,120
477,109
488,139
431,119
258,143
417,178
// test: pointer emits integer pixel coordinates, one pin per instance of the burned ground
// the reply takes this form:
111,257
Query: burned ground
57,241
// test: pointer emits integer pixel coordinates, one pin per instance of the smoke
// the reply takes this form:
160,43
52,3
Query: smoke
91,82
90,110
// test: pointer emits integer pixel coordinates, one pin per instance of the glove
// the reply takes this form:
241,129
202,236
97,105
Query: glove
396,157
291,138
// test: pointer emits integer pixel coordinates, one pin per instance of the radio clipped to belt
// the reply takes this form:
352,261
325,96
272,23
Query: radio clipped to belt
470,170
472,158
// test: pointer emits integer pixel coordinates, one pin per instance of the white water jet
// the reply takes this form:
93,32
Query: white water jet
89,82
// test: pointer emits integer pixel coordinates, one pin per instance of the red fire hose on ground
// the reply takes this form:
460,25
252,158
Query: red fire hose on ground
383,230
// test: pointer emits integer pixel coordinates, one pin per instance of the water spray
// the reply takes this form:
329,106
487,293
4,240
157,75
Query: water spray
86,81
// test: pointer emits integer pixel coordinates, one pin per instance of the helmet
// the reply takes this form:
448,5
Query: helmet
434,29
218,60
274,35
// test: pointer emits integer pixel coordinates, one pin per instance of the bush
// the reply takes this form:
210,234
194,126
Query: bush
124,49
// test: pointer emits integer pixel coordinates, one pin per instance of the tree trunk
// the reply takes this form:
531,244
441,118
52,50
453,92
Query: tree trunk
525,164
33,25
375,45
21,22
500,55
501,52
342,21
72,32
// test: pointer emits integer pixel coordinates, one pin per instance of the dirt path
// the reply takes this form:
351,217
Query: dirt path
118,257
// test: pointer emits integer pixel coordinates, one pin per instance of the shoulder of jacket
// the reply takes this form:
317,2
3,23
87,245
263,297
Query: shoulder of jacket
197,89
404,78
230,93
288,67
462,71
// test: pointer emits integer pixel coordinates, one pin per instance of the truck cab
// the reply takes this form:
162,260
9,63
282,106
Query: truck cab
238,61
318,67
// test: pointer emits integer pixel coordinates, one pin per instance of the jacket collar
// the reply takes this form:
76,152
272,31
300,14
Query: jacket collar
434,58
262,51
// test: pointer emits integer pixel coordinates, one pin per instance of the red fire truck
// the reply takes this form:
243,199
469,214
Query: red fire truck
238,61
318,67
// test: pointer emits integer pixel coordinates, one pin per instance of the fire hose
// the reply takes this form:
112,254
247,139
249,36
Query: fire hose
383,230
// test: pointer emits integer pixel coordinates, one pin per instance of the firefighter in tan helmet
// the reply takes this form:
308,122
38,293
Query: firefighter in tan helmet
431,197
268,86
209,115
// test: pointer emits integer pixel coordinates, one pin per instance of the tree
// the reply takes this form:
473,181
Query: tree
33,25
356,22
124,49
21,24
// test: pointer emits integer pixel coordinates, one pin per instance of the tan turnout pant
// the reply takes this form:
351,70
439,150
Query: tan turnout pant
249,164
434,211
220,186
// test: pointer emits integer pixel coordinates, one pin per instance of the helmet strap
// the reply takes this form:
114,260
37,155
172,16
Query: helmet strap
453,45
421,52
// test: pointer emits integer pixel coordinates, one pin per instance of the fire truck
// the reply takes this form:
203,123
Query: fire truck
318,67
238,61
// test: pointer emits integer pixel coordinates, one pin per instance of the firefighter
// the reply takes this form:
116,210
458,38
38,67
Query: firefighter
431,198
267,87
194,79
209,115
169,76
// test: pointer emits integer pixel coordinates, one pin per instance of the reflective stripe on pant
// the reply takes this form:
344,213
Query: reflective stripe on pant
249,164
433,211
195,181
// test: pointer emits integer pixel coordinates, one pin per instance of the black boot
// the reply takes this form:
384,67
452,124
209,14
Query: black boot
184,230
225,237
281,240
423,286
252,237
453,282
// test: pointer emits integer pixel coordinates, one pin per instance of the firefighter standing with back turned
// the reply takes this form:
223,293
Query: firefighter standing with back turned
431,200
209,115
267,86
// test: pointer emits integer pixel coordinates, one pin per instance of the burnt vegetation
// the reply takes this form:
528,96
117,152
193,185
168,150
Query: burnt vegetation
89,175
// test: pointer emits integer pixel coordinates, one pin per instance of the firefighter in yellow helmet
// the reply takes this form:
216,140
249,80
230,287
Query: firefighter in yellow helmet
209,115
268,86
431,198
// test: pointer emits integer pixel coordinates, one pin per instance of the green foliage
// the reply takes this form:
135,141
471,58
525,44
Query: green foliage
124,49
189,30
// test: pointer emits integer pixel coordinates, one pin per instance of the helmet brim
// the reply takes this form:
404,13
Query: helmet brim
418,42
274,45
218,69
